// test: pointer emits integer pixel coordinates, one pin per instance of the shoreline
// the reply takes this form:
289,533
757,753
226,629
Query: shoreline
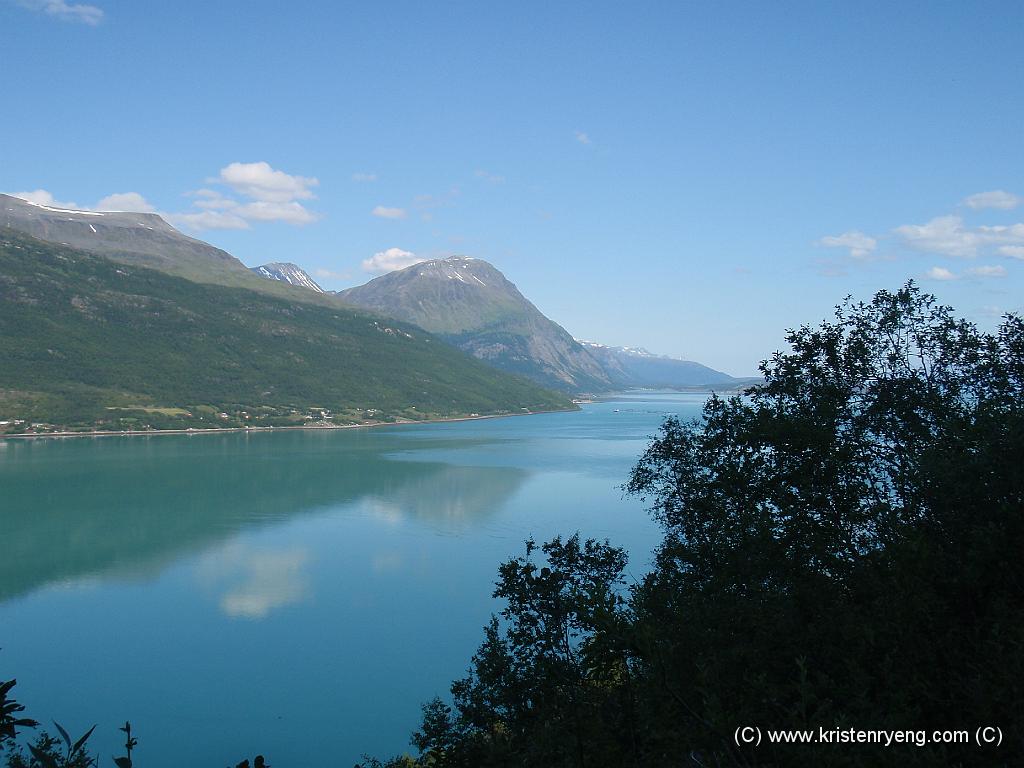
309,427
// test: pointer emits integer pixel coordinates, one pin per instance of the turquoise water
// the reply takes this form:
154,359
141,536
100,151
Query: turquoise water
297,594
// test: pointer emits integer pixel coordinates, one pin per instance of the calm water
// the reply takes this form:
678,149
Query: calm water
297,594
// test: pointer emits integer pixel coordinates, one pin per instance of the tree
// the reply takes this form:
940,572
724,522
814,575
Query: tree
842,544
842,550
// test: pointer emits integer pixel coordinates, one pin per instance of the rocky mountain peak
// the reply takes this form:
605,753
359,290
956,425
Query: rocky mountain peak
286,272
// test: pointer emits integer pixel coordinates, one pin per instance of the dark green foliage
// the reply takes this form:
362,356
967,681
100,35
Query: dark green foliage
546,686
46,752
842,550
87,342
9,711
534,693
258,762
842,547
130,742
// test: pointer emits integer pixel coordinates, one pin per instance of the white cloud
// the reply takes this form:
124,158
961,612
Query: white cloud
491,178
197,222
940,273
390,260
264,194
203,193
364,177
997,198
944,234
59,9
125,201
389,213
1011,234
42,197
860,245
262,210
996,271
261,182
273,195
948,236
582,138
1013,251
215,202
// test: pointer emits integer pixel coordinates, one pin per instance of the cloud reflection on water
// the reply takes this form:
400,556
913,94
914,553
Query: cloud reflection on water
255,580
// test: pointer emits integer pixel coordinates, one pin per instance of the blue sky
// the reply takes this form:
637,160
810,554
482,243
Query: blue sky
689,177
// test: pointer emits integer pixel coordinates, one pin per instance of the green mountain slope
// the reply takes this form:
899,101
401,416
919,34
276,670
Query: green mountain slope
90,342
472,305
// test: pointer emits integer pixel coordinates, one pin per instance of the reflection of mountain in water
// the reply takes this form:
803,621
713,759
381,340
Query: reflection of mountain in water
454,495
76,508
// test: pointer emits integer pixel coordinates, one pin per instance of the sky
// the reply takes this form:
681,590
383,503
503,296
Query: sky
693,178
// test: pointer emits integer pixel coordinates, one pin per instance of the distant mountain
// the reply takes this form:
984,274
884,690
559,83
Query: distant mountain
636,367
87,341
143,239
472,305
288,273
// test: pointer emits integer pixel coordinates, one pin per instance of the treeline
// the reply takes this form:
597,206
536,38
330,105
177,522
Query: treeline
842,550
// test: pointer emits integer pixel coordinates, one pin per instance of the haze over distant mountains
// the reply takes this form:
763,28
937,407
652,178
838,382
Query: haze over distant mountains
636,367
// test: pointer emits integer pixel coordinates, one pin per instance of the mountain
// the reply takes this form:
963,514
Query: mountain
636,367
141,239
473,306
287,273
89,342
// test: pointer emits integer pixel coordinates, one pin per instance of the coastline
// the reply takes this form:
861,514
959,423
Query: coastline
310,427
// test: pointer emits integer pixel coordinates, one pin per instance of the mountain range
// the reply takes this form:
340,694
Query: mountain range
636,367
90,343
181,328
473,306
141,239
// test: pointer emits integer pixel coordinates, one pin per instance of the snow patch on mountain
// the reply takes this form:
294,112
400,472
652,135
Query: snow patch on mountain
288,273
